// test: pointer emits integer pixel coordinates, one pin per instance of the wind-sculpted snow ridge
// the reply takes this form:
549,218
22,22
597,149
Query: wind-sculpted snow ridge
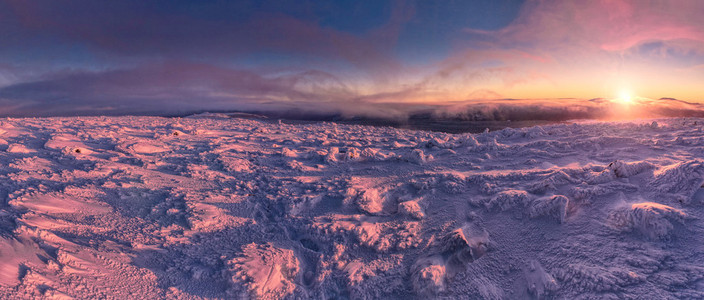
190,208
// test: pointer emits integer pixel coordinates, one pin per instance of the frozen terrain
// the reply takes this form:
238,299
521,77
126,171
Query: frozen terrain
148,207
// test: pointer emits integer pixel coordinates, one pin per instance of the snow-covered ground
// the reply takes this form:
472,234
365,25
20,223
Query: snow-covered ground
148,207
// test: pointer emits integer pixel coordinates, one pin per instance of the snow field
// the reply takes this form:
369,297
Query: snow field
148,207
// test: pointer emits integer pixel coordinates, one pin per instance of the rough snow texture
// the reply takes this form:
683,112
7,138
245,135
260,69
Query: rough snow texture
149,208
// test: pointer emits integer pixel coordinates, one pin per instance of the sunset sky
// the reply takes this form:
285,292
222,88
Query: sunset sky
63,57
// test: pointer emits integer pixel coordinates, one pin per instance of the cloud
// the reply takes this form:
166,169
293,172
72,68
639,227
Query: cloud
139,30
580,48
174,86
610,25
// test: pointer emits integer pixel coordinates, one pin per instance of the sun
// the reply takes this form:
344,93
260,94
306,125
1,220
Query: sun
624,96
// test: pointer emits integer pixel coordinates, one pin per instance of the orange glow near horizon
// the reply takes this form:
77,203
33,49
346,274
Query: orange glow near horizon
593,79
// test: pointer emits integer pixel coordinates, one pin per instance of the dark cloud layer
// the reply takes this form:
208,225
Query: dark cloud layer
167,88
212,31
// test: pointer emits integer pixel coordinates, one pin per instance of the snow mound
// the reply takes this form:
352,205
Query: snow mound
371,198
375,154
209,218
388,236
464,245
551,183
146,148
509,199
286,152
15,254
19,148
468,140
429,276
142,147
371,233
624,170
540,282
235,164
60,204
266,271
412,209
439,143
68,145
581,278
619,169
373,278
587,193
650,219
371,201
554,207
683,178
419,157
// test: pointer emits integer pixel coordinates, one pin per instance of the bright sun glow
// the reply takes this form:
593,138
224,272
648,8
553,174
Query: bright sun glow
625,96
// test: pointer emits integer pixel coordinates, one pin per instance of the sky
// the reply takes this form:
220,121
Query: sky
61,57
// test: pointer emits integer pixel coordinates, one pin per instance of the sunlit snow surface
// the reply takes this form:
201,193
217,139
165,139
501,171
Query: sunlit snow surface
146,207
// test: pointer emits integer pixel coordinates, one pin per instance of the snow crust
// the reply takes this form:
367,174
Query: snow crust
210,207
